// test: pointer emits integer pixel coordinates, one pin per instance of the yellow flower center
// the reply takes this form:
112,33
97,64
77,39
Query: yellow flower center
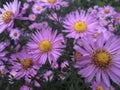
117,18
101,58
45,46
99,88
27,63
15,34
80,26
38,8
33,17
107,11
7,16
52,1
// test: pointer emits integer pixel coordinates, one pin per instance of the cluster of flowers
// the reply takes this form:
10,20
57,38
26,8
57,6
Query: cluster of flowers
97,48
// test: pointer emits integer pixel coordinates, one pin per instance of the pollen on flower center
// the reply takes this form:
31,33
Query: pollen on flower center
52,1
27,63
7,16
107,11
101,58
117,18
99,88
38,8
80,26
45,46
15,34
33,17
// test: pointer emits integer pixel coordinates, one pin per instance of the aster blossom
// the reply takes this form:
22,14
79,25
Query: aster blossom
46,44
107,11
55,4
79,24
38,8
15,34
23,65
8,13
117,18
100,59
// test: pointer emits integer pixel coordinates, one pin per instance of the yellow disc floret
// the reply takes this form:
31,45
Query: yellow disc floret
99,88
38,8
80,26
7,16
107,11
102,58
45,46
27,63
52,1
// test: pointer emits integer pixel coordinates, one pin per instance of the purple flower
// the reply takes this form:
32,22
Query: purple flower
79,24
117,18
55,4
32,17
100,59
38,8
107,11
8,13
15,34
23,65
46,44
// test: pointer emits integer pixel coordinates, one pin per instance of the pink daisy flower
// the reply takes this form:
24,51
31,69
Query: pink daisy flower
54,3
38,8
8,13
32,17
117,18
46,44
14,34
23,65
79,24
100,59
107,11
